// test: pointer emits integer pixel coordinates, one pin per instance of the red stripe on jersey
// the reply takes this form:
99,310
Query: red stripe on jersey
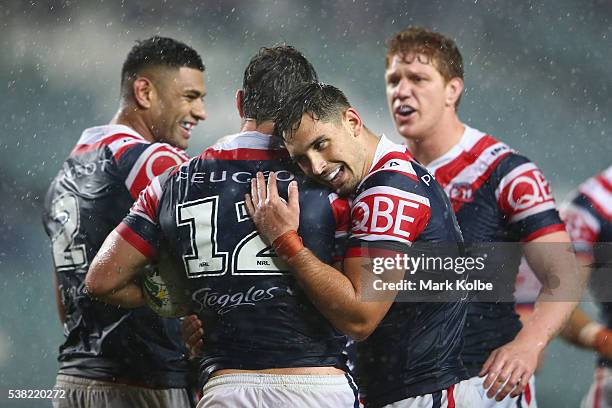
243,154
599,377
599,208
136,240
544,231
578,225
123,149
524,192
449,171
390,156
365,252
84,148
457,204
604,182
450,396
147,203
388,217
155,164
342,213
527,394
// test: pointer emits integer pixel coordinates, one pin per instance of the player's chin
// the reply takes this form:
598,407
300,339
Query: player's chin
406,131
181,141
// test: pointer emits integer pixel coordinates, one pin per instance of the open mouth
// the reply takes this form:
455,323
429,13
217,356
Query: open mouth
334,175
404,110
187,126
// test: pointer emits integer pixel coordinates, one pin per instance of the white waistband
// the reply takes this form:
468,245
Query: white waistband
276,380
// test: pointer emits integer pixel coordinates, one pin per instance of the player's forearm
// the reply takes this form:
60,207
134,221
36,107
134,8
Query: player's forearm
333,294
130,296
546,322
563,282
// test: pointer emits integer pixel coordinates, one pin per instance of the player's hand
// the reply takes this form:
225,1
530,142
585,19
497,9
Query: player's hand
509,368
271,214
192,334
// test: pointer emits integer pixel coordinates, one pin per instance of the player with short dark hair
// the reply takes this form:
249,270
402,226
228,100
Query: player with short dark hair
498,196
265,343
409,354
113,356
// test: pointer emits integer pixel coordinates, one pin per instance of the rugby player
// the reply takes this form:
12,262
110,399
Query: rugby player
498,195
111,356
409,354
265,345
588,216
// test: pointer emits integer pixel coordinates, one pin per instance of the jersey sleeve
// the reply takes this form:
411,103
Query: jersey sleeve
524,196
583,224
387,216
141,227
139,163
342,215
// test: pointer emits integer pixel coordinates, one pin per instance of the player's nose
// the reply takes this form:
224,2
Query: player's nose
403,89
198,111
318,165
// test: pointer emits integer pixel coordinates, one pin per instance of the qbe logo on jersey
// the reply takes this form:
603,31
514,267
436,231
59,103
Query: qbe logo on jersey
524,191
387,213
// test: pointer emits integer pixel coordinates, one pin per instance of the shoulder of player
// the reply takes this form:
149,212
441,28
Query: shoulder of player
511,165
246,146
406,176
597,194
395,186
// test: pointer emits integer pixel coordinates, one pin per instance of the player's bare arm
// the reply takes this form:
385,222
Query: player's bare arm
336,295
111,275
509,367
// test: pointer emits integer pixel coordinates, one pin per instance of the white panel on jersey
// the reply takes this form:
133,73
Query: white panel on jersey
601,196
508,178
392,191
472,172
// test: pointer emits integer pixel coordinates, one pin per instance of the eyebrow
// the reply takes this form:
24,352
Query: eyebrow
317,140
195,91
298,157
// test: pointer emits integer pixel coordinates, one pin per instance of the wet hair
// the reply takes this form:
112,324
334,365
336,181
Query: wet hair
436,48
439,49
270,74
321,101
157,52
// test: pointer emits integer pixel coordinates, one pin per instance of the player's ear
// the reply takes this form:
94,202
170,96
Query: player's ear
239,98
353,120
143,91
453,90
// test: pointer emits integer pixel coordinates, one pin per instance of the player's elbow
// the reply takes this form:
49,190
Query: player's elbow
360,330
95,283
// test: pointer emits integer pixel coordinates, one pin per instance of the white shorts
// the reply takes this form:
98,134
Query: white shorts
600,393
525,400
87,393
460,395
271,390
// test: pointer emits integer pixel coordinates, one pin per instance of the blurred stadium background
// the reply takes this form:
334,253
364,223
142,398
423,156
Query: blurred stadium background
537,77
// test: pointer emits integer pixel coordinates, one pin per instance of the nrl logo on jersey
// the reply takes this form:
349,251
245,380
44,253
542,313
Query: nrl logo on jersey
461,192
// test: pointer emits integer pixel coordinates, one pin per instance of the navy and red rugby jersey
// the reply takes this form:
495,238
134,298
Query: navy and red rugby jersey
254,313
91,194
588,217
415,350
498,196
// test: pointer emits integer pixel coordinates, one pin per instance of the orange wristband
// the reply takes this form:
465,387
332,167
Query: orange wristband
602,337
288,245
